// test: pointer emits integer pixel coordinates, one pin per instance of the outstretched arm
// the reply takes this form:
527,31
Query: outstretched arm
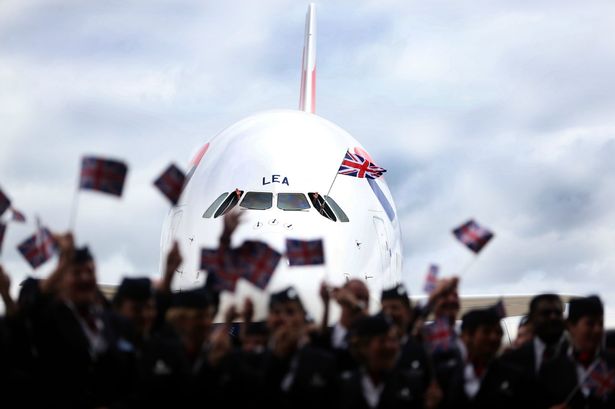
66,244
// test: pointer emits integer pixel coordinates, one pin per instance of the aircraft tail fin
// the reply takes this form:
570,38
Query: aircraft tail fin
307,98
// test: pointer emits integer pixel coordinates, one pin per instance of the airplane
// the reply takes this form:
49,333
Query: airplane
270,166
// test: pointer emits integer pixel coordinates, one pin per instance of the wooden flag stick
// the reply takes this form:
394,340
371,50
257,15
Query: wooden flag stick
334,178
72,219
73,211
468,265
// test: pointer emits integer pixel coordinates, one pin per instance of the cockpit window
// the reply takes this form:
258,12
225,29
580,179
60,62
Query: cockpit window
292,201
338,210
257,200
211,209
230,202
321,206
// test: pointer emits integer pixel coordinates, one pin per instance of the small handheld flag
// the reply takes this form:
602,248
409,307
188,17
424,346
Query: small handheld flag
17,216
439,336
5,202
304,253
171,183
38,248
254,261
473,236
431,279
259,261
357,166
103,175
601,380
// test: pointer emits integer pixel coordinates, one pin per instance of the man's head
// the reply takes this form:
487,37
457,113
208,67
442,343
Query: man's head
80,280
396,305
134,300
285,310
191,314
375,343
481,333
585,323
255,337
360,291
547,317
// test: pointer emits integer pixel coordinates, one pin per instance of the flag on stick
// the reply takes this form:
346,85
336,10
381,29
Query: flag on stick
254,261
439,336
304,253
601,380
258,262
5,202
38,248
171,183
473,236
357,166
17,216
103,175
431,279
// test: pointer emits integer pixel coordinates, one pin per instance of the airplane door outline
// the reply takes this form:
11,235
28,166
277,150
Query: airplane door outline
383,244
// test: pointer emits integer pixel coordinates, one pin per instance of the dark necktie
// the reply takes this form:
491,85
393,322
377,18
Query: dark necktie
548,353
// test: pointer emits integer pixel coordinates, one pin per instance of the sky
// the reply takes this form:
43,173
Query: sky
494,110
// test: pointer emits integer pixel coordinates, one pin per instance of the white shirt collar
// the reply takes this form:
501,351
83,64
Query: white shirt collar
339,336
371,392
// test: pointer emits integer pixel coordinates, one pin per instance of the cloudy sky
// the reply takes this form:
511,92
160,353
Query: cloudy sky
487,109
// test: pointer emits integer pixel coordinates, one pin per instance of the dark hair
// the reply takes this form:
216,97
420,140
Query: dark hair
398,292
583,307
82,255
542,297
473,319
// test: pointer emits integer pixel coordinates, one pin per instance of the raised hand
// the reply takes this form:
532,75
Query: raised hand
174,260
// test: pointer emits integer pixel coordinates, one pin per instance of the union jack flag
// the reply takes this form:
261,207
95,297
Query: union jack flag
601,380
357,166
103,175
472,235
431,279
220,268
17,216
38,248
171,183
258,262
2,230
304,253
5,202
439,336
254,261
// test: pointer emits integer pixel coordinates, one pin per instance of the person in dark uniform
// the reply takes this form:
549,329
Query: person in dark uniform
353,299
413,359
546,316
475,379
295,374
377,382
163,369
83,361
583,377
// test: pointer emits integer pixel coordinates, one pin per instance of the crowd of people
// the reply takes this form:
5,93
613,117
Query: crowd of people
64,345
